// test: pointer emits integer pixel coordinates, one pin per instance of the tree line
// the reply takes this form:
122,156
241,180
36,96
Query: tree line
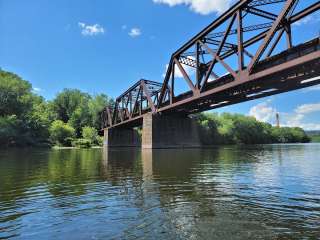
27,119
229,128
72,119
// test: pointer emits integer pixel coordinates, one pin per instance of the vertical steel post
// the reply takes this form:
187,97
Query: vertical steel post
240,41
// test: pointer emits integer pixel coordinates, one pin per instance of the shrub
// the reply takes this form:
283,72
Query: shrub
100,141
82,143
90,134
61,133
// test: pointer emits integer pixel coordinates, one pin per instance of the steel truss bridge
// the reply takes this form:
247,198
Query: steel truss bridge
245,54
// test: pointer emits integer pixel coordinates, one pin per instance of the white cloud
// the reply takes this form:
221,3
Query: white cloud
203,7
91,30
303,21
310,126
308,108
36,89
263,112
266,113
308,19
135,32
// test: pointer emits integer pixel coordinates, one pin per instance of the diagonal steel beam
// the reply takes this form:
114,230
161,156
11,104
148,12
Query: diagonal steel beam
289,4
146,92
296,17
186,77
305,12
135,103
213,25
275,43
233,17
165,82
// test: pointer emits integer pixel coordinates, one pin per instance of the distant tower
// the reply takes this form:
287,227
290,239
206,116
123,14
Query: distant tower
278,119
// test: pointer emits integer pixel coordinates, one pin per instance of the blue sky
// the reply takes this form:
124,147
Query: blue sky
103,46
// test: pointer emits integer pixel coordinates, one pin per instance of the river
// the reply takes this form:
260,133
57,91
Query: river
230,192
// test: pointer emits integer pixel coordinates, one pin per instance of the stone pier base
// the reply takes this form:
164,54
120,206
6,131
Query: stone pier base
121,137
169,132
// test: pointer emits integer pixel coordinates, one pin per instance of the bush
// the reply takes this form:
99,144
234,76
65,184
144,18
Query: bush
82,143
100,141
61,133
90,134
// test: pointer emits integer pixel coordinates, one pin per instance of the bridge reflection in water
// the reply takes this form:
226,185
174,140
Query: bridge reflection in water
228,192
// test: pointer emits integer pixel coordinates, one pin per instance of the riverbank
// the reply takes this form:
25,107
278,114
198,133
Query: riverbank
61,147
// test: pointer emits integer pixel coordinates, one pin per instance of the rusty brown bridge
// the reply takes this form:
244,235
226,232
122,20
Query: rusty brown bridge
247,53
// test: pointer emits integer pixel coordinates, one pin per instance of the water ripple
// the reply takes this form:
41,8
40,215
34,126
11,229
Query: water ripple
254,192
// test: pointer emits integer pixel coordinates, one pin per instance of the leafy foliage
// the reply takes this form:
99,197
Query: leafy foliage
238,129
79,109
16,97
90,134
24,116
61,133
27,119
82,143
289,135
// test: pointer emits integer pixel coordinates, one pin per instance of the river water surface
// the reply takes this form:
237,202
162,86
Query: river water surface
246,192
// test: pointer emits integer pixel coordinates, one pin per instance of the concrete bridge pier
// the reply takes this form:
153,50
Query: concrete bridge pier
169,132
158,131
121,137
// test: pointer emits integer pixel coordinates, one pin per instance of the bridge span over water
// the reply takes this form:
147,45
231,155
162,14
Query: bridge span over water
247,53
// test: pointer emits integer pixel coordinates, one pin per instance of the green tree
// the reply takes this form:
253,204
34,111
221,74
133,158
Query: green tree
79,119
71,106
61,133
289,135
23,113
226,129
79,109
91,134
67,102
209,124
16,97
10,128
239,129
96,105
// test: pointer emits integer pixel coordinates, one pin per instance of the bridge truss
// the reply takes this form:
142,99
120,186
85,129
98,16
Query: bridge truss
230,61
